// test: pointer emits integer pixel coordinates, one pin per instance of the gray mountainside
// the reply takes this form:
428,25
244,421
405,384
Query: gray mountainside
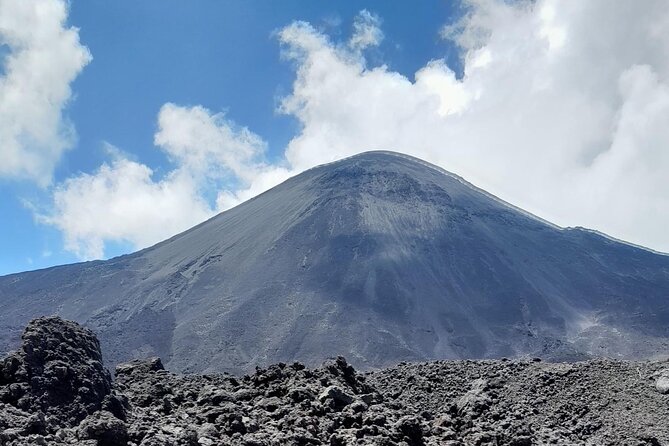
380,257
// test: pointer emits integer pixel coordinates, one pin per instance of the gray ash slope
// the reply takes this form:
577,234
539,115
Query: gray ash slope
380,257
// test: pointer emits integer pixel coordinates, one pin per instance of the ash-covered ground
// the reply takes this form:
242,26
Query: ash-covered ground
55,391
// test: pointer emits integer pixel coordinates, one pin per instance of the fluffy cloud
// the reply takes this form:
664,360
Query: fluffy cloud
207,143
123,201
560,109
44,57
223,156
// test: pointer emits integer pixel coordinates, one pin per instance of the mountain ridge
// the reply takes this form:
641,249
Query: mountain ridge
398,155
380,257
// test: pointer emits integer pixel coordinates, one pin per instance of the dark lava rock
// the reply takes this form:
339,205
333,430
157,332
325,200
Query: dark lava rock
140,366
510,403
105,428
335,394
58,371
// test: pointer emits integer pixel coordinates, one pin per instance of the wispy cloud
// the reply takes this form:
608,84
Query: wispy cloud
366,31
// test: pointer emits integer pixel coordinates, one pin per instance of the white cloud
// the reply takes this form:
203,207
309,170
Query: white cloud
560,110
44,57
123,201
366,31
207,143
211,147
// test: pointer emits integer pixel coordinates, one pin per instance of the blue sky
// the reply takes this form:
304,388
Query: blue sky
137,120
222,55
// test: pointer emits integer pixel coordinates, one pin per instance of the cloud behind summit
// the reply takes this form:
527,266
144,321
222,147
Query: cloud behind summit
560,108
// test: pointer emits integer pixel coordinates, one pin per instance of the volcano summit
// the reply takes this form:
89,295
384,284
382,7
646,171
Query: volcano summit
380,257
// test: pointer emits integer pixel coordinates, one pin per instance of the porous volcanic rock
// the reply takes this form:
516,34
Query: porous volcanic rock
54,381
532,402
456,403
57,371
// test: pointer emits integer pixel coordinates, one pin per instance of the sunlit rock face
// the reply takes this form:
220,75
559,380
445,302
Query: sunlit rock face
379,257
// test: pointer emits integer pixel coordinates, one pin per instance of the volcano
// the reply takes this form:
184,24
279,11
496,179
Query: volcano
379,257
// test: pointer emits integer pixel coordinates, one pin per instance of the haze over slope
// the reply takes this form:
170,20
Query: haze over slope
380,257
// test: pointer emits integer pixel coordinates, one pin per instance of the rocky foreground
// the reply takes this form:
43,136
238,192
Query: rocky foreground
55,391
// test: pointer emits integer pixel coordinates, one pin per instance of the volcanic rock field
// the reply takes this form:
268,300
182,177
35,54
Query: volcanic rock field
55,391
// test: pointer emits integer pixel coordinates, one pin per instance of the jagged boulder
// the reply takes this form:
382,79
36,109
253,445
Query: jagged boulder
139,366
104,427
662,381
57,371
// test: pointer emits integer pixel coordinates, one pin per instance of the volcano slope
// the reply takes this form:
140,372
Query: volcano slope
380,257
54,391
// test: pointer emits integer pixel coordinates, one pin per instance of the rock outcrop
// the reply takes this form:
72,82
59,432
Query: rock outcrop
54,381
58,371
